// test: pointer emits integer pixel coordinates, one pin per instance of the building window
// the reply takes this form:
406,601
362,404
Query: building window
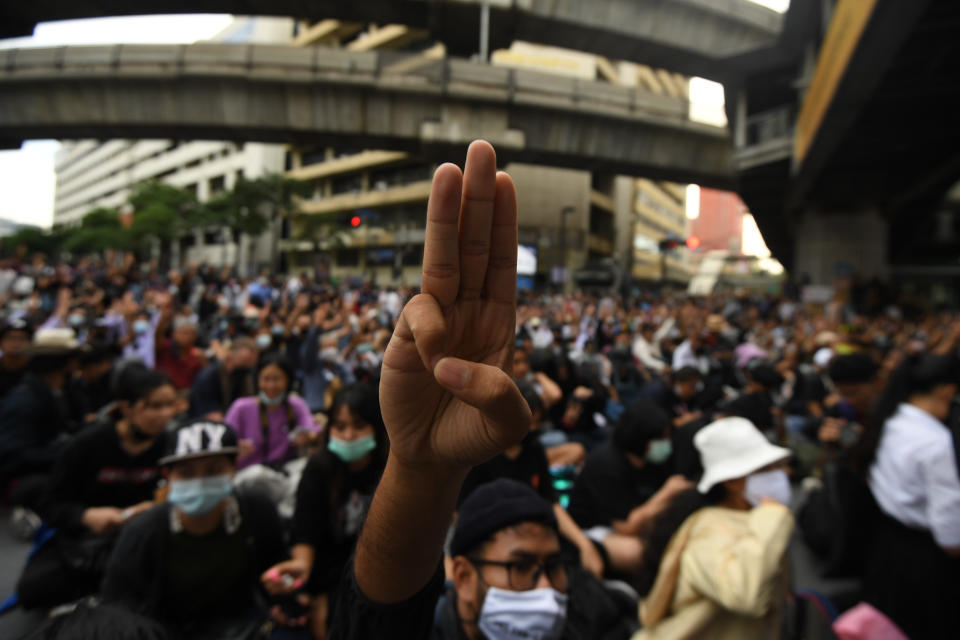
347,184
217,185
348,258
192,188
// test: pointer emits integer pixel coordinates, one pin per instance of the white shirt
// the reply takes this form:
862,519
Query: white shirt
684,356
914,476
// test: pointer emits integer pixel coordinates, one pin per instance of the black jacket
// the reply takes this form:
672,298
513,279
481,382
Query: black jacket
135,572
31,420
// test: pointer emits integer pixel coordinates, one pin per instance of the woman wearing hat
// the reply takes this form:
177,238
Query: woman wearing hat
714,558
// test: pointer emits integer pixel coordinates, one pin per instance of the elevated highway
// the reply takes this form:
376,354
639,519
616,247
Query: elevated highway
694,37
431,107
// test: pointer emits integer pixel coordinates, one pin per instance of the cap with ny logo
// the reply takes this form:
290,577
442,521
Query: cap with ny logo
199,439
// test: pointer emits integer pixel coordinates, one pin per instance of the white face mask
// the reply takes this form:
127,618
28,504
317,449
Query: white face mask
538,614
768,484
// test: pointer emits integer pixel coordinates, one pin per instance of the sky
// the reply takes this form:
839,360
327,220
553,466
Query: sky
27,180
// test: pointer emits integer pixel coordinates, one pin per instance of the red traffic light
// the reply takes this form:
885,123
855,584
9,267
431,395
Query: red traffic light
355,221
693,242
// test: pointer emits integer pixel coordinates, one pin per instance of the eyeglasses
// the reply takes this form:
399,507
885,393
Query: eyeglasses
523,575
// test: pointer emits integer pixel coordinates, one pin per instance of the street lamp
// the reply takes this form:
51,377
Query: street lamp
563,240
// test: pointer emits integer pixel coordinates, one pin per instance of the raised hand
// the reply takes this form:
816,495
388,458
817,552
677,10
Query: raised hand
446,390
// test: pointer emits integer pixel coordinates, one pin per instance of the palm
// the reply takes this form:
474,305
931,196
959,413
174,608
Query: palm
467,313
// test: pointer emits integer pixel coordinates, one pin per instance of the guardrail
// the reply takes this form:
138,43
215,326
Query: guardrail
385,71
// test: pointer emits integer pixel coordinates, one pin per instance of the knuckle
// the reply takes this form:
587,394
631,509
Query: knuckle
440,270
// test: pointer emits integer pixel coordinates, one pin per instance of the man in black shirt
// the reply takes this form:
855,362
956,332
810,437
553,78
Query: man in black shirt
14,341
194,562
624,483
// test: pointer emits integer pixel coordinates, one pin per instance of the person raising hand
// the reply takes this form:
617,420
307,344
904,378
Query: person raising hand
447,396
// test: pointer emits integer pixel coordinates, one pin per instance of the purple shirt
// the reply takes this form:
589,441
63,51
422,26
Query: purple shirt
244,416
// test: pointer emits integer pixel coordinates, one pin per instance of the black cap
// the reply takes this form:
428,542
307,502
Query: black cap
200,438
853,368
495,506
765,374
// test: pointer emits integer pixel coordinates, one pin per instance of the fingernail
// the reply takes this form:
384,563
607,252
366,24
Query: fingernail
452,373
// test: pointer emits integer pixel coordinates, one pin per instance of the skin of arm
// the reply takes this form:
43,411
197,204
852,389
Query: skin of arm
589,556
446,392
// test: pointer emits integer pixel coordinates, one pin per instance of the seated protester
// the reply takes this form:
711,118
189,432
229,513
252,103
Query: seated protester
714,559
15,338
36,416
179,356
92,388
856,382
216,387
756,402
509,579
526,462
98,621
104,477
687,401
625,482
914,560
332,500
272,425
193,562
559,451
322,369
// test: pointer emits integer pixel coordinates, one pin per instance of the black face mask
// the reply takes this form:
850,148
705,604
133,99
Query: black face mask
139,435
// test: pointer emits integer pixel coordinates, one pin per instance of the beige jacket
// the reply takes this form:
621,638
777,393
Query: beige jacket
722,577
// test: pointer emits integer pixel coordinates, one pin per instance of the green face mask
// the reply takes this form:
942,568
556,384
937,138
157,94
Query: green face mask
659,450
351,450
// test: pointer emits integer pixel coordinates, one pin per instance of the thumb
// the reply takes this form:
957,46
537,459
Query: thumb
490,390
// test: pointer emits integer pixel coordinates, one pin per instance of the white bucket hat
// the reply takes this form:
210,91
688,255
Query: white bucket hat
733,448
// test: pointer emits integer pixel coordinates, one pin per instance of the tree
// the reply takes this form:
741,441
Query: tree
162,213
32,240
100,229
252,206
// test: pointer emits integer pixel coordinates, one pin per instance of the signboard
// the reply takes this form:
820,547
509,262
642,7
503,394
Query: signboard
526,260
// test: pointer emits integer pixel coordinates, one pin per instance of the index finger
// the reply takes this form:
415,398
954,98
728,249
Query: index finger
441,259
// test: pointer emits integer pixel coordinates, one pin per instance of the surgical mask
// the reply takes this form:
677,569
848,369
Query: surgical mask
277,329
76,319
768,484
269,402
199,496
330,354
141,326
538,614
264,340
351,450
659,450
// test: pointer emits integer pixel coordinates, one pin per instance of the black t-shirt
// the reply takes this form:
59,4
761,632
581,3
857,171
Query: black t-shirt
95,471
609,487
205,576
332,526
9,379
530,467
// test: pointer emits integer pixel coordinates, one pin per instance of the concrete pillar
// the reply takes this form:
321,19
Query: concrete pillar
832,244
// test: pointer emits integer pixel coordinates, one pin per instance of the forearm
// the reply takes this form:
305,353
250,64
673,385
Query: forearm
303,553
569,529
402,540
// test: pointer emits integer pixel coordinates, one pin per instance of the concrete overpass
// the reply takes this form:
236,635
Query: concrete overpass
431,107
844,158
694,37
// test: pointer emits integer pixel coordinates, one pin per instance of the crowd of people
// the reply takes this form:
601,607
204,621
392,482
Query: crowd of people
197,454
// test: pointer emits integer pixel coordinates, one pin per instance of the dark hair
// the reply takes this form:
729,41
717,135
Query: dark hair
543,360
277,359
362,400
853,368
687,374
642,422
44,363
138,383
660,531
103,621
917,374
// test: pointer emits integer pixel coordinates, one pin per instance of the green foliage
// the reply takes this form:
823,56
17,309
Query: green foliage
32,240
251,204
99,230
